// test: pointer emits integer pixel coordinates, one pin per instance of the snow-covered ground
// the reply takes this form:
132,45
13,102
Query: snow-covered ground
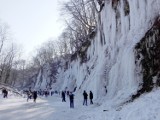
147,107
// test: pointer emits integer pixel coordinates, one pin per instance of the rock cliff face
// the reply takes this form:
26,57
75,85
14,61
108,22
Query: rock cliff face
122,58
148,53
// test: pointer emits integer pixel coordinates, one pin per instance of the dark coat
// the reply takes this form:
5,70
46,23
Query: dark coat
63,94
85,95
90,95
71,96
35,94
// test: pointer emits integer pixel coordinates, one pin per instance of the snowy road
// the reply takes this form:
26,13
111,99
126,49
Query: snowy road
147,107
15,108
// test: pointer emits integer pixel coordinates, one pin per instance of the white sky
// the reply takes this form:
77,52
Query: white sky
32,22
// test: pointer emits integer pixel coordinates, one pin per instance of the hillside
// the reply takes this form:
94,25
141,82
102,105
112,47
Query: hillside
109,65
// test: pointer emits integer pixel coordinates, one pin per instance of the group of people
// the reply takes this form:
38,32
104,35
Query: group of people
34,94
4,93
46,92
85,96
71,97
31,95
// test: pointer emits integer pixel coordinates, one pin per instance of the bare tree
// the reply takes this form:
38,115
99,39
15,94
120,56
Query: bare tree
3,35
81,21
8,54
45,53
6,63
81,11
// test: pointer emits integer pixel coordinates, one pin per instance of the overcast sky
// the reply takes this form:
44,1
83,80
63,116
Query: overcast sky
32,22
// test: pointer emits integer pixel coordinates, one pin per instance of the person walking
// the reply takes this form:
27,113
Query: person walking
34,96
5,93
29,95
63,97
85,96
91,97
71,98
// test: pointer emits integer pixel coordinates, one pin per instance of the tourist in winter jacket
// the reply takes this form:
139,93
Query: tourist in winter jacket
71,98
91,97
29,95
85,96
34,96
5,93
63,97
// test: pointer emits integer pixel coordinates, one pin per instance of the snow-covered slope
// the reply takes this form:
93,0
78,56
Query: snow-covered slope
10,89
111,72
